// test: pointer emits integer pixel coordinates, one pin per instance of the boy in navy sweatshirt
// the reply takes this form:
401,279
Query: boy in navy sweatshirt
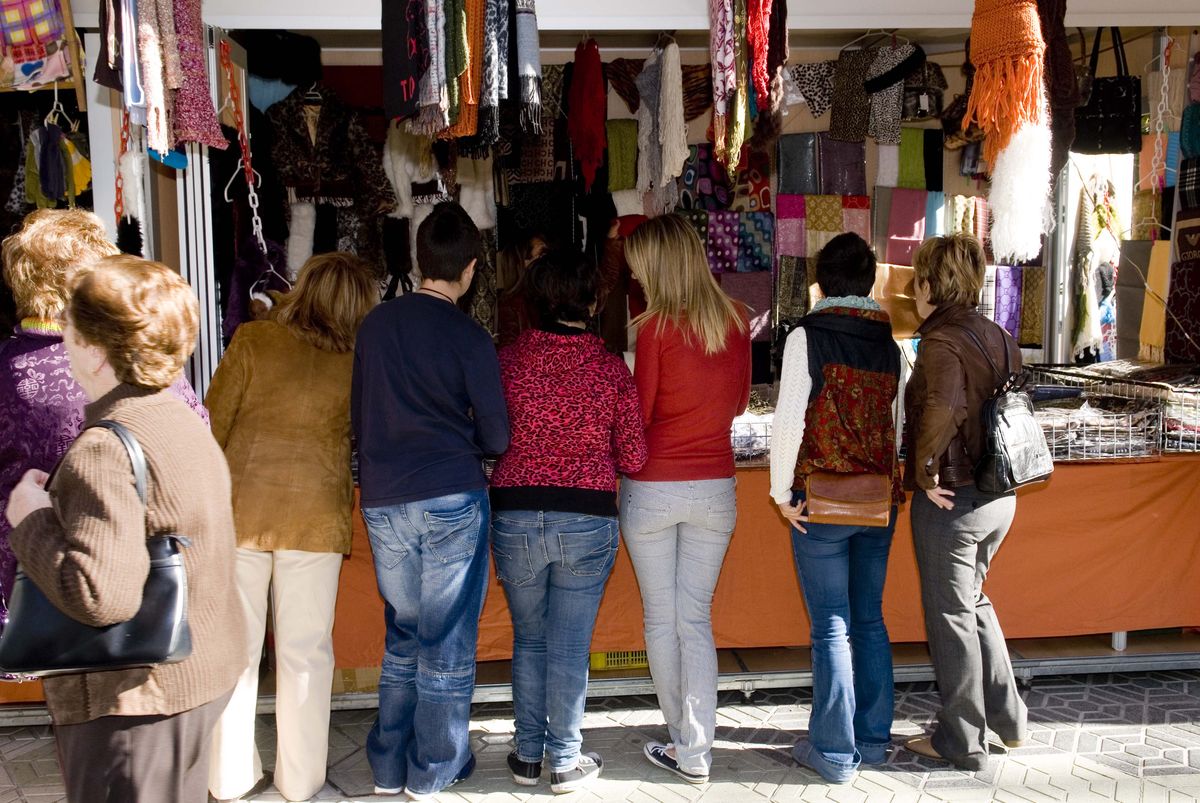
426,406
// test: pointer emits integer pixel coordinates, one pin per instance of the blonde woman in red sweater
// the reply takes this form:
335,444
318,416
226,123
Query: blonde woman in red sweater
677,514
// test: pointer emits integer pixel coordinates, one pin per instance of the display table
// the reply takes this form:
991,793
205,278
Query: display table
1102,547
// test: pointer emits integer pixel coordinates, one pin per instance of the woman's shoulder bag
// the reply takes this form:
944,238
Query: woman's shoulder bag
1015,453
40,640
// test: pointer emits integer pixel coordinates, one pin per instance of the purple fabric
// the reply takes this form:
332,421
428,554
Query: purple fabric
843,166
754,290
41,412
723,238
1008,299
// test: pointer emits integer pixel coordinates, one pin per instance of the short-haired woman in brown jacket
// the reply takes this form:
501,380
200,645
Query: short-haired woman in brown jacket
143,734
956,527
280,407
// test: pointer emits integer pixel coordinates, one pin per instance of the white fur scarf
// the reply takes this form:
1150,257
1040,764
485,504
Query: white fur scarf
1020,192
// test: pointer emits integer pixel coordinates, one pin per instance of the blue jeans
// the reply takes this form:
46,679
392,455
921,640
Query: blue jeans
554,567
842,570
431,564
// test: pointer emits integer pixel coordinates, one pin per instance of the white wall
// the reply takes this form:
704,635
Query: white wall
651,15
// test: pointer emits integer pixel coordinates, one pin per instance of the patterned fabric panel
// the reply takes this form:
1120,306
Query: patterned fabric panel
756,235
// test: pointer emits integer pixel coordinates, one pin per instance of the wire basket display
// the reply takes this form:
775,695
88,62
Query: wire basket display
751,440
1177,387
1086,417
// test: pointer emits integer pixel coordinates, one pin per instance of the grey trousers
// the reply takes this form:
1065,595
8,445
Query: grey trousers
677,534
970,659
147,759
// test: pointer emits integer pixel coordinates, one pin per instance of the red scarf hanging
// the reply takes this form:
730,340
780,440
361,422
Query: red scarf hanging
758,31
588,111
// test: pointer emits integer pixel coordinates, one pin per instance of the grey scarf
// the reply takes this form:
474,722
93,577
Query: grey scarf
529,66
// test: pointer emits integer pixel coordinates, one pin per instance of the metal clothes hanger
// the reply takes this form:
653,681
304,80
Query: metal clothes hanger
57,110
877,33
313,94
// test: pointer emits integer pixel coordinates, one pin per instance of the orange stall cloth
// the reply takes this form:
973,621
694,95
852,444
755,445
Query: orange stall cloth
1100,548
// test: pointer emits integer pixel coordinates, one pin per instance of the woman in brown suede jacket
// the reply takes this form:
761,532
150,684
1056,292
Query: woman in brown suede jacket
957,528
280,407
136,735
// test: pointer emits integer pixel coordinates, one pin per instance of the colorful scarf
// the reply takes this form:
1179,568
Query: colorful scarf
756,234
704,183
723,57
1008,299
433,107
752,189
723,241
739,114
1033,306
906,225
195,118
912,159
1008,53
469,80
758,28
586,102
529,65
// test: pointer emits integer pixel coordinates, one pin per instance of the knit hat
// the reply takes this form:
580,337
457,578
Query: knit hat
1008,52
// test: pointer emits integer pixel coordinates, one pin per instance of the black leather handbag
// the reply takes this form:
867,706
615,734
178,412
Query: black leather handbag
1016,452
1111,121
39,640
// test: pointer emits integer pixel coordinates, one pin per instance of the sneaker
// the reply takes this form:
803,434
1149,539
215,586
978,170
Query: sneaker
385,790
463,774
525,773
585,772
656,753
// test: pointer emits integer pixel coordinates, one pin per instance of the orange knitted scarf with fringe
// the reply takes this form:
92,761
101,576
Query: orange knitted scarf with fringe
1008,53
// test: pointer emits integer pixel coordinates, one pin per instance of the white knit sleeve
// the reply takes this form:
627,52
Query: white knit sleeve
787,428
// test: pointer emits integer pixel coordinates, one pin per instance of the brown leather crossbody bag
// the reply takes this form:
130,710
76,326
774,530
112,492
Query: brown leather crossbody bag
853,500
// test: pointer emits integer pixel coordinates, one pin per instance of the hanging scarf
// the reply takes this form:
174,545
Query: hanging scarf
1008,53
814,81
723,56
457,46
494,80
529,66
435,102
622,154
885,82
649,168
469,80
697,85
672,128
587,107
1062,88
622,77
739,102
195,118
758,28
150,58
405,57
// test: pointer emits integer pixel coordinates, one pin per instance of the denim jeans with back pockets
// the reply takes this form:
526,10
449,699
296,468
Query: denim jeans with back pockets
431,564
554,567
842,571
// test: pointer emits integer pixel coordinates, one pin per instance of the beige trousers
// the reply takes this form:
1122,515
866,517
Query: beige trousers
303,590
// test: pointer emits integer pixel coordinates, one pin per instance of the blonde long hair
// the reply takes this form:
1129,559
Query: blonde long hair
333,294
669,261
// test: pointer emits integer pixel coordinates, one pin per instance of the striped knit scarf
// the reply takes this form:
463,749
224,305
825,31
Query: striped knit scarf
469,81
435,102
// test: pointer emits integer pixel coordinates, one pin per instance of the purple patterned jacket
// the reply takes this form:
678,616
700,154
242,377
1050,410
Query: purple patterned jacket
41,412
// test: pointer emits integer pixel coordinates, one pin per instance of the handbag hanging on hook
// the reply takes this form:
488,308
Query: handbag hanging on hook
1111,122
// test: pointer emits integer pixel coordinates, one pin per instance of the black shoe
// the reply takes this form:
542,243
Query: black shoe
585,772
525,773
263,784
657,755
463,774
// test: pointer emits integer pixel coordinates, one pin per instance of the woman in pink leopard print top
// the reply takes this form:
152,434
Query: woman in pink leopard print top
575,422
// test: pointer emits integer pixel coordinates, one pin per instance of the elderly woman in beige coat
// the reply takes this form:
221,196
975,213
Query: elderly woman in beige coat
134,735
280,407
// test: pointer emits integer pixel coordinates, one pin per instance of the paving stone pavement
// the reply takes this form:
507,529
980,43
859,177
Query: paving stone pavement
1124,737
